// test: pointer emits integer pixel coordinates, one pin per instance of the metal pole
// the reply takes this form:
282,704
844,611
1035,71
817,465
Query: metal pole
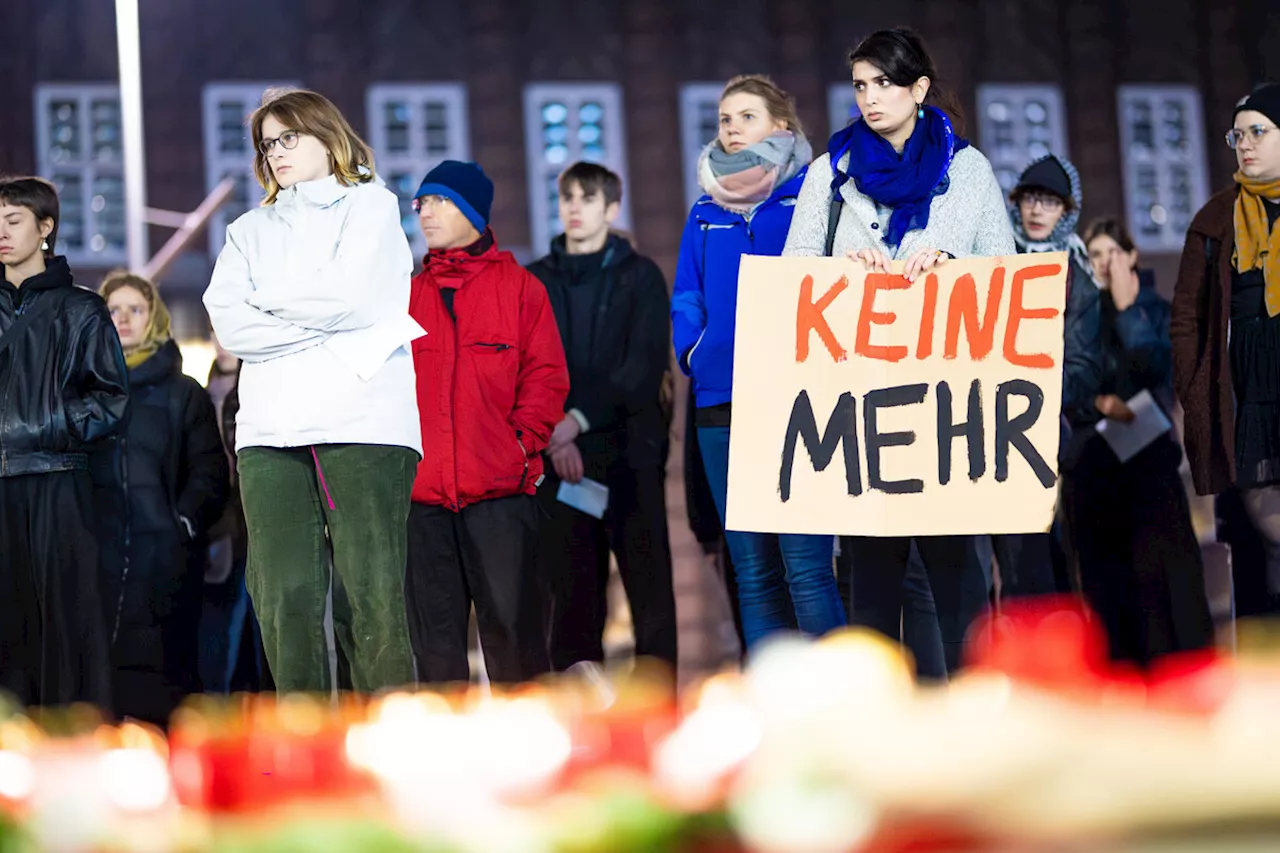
135,166
189,226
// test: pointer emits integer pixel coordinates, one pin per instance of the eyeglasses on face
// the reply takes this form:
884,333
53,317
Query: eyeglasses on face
1255,132
287,140
1047,201
432,202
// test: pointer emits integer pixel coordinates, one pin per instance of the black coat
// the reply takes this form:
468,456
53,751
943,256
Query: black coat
63,384
629,344
171,466
1136,352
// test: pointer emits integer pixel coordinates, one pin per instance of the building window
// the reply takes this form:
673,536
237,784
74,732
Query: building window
699,124
1018,124
228,150
412,128
79,147
565,123
842,106
1162,150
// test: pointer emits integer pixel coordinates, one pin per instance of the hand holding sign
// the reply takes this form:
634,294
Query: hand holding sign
923,261
897,371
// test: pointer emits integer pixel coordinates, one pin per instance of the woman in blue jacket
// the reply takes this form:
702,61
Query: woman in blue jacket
751,173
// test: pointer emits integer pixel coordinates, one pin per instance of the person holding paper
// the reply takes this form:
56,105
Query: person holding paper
611,308
1045,210
311,292
1225,328
1140,564
751,173
492,385
899,184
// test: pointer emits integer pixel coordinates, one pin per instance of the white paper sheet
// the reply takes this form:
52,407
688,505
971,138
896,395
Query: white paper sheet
586,495
1149,423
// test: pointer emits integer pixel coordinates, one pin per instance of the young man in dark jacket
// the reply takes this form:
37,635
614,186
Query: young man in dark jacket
63,390
612,307
491,388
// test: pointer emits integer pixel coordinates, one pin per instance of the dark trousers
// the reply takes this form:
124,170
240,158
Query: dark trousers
574,551
485,555
955,575
1140,563
53,637
1248,557
920,632
155,632
231,655
1027,564
336,521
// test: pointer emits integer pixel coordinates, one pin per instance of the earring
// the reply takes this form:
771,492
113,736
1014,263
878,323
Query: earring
44,245
919,111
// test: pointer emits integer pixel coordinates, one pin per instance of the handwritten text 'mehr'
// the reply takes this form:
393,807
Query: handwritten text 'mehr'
913,337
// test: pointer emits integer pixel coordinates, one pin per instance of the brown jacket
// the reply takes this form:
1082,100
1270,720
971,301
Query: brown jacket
1198,332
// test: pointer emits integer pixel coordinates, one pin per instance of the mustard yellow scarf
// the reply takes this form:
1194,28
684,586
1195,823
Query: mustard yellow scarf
1257,243
157,335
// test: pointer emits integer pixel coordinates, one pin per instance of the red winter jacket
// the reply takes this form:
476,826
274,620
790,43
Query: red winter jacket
492,384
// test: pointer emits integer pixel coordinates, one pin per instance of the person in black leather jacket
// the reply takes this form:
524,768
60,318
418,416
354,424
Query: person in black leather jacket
172,471
63,390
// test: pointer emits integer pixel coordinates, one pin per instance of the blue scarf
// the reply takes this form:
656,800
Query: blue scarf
907,182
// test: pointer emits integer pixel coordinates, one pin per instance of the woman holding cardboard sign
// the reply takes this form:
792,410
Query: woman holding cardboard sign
898,184
751,173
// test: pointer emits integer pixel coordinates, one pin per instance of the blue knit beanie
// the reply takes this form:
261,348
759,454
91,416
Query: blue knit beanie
464,184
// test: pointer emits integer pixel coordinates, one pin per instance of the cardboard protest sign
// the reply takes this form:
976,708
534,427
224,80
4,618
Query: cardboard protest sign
869,405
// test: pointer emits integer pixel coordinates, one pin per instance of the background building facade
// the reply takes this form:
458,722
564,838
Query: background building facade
1138,93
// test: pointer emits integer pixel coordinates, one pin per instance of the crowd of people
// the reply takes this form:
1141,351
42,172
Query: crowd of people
379,454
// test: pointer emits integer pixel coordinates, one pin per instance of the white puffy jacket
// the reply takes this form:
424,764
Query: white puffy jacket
312,294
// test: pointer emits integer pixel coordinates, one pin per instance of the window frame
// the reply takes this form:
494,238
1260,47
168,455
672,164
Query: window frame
416,162
1019,94
87,168
694,98
217,163
538,170
1172,235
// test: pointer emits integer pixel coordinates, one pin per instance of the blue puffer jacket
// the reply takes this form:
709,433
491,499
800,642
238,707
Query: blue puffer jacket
705,300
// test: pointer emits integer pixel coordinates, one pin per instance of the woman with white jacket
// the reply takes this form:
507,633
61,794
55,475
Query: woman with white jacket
906,188
311,292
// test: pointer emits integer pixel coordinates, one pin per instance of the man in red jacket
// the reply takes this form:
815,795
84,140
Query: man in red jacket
492,384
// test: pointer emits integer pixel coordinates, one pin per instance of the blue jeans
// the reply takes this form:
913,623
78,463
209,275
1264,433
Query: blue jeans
768,566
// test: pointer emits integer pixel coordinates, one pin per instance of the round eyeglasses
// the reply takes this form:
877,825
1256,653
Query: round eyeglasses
287,140
1255,133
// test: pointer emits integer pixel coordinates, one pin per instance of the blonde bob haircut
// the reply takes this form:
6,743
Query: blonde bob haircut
350,158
